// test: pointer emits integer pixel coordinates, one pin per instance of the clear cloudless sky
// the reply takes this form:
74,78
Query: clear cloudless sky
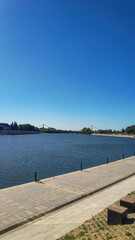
68,63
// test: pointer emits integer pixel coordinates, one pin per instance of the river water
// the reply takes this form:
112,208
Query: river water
55,154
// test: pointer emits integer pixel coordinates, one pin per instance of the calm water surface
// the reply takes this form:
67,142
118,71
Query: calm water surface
54,154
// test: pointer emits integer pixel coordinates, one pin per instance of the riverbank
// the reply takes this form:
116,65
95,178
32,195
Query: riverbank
12,133
24,203
114,135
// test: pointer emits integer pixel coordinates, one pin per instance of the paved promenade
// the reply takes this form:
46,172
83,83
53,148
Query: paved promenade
62,221
28,200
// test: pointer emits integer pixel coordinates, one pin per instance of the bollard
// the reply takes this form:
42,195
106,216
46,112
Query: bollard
81,166
123,156
107,161
35,176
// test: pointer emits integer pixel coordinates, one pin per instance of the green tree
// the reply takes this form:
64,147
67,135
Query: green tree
14,126
86,131
122,130
130,129
27,127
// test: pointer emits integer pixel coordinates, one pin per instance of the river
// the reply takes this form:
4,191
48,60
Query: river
55,154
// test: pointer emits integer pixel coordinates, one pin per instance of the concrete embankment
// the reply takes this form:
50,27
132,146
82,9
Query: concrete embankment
24,203
3,133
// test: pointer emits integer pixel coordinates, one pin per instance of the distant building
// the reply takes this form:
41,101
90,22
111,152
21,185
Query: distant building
4,126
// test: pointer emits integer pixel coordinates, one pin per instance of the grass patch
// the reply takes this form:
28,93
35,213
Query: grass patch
128,234
81,234
108,237
69,237
101,228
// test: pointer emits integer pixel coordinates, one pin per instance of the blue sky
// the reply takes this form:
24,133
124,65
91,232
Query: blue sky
67,63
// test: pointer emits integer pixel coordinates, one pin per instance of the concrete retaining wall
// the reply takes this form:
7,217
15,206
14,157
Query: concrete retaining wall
17,132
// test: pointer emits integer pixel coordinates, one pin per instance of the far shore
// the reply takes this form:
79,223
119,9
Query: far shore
17,133
114,135
27,133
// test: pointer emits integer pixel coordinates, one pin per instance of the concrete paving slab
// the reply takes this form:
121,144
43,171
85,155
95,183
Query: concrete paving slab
60,222
23,202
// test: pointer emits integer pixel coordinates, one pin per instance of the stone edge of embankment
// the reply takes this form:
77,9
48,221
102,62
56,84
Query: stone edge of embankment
64,174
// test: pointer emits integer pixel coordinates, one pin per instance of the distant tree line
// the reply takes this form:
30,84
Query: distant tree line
128,130
50,130
105,131
85,130
23,127
28,127
53,130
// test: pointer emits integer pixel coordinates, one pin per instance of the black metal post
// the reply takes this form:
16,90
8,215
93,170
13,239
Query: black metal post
123,156
107,161
81,166
35,176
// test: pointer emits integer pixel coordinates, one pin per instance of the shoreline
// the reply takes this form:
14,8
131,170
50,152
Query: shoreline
17,133
24,133
113,135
